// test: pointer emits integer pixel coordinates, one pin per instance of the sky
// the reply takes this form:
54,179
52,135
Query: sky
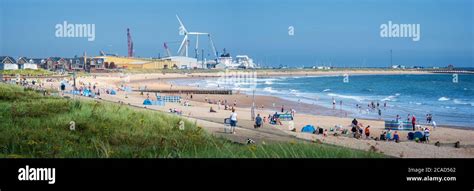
343,33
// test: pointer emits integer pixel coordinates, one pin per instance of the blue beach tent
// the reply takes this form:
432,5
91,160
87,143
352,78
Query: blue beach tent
147,102
308,129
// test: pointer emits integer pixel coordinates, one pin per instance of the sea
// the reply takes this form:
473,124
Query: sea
448,98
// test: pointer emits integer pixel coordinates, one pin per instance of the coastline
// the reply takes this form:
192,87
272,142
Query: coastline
307,108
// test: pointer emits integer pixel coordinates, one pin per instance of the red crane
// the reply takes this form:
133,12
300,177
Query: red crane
130,43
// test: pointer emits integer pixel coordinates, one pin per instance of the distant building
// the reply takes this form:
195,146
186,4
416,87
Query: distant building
182,62
25,63
322,67
112,62
76,63
398,67
8,63
418,67
56,64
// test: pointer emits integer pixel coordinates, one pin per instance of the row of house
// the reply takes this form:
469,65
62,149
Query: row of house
54,63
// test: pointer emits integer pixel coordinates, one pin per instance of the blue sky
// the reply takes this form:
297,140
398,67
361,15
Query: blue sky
336,32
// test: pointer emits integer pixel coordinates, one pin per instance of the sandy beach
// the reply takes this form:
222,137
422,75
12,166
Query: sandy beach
316,115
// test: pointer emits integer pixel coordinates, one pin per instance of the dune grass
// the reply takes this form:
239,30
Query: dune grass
37,126
27,72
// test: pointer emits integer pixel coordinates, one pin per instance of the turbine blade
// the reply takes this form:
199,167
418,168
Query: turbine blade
181,25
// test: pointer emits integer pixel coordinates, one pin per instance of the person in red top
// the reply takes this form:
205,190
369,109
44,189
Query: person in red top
413,122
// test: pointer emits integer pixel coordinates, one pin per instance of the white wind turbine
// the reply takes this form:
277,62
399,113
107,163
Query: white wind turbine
185,42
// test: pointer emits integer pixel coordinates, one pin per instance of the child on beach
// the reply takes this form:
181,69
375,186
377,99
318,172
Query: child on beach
383,136
427,135
367,132
389,135
396,137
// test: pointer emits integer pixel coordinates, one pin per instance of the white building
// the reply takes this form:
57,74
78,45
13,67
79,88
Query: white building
8,63
184,62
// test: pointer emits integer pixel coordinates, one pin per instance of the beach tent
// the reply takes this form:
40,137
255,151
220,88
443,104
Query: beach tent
418,135
147,102
308,129
112,92
86,93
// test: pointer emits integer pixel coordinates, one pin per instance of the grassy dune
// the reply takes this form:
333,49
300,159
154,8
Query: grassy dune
27,72
35,126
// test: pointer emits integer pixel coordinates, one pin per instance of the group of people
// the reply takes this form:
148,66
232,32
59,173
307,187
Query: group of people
358,130
387,136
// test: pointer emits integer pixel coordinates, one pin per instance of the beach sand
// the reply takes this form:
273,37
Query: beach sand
305,114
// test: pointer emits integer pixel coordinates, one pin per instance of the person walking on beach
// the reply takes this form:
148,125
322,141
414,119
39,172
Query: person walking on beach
413,122
258,121
428,118
233,121
282,108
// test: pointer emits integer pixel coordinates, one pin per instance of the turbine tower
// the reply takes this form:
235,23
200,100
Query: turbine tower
185,43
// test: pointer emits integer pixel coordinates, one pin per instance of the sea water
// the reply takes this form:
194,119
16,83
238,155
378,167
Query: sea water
451,102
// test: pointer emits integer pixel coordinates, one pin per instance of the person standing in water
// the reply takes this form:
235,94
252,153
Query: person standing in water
333,103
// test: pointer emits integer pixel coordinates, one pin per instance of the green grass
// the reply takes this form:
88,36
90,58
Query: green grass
27,72
34,126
